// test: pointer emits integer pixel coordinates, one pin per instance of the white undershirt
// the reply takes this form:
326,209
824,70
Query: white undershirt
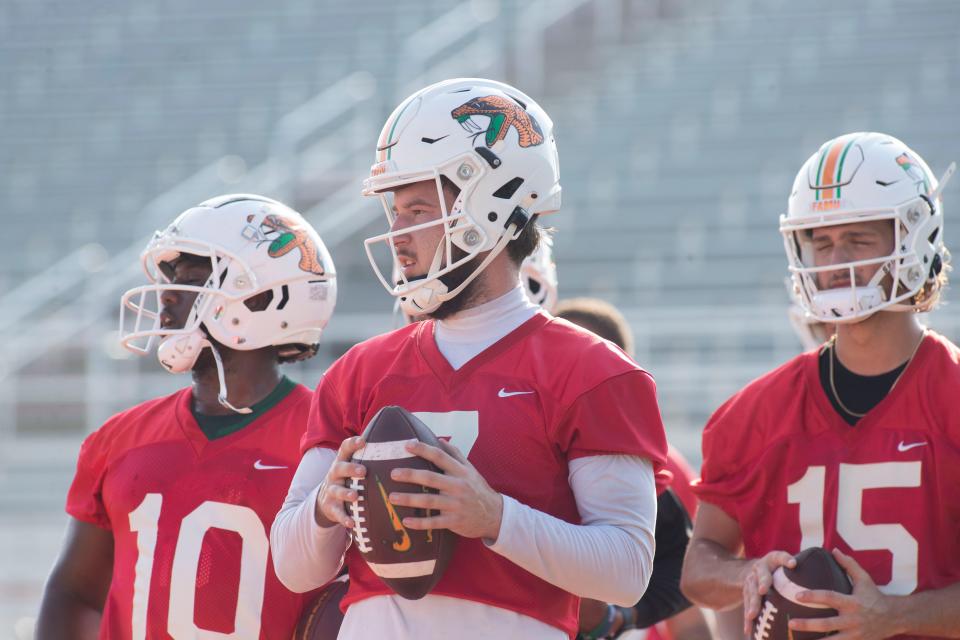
465,334
608,557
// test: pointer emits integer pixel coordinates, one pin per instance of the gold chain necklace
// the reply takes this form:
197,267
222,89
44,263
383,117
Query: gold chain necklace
833,386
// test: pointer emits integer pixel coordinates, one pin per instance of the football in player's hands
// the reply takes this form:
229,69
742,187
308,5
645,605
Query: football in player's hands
816,569
409,561
321,619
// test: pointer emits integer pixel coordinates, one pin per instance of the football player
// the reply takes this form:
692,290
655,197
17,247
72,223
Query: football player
555,434
173,499
851,447
676,505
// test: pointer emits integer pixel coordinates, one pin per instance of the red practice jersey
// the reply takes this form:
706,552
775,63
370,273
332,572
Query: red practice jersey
521,410
190,519
782,463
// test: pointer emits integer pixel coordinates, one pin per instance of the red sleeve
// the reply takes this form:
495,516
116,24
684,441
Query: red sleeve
85,497
328,423
722,479
618,416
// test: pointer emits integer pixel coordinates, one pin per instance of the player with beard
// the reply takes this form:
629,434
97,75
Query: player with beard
173,499
555,435
853,446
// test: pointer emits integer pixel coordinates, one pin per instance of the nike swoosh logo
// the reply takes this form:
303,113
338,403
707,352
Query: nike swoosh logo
503,393
392,144
903,446
263,467
433,140
404,543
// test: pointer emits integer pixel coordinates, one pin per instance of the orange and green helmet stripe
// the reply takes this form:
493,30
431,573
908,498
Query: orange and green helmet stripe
830,169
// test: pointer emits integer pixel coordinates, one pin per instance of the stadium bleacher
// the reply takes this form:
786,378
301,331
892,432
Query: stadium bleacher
680,127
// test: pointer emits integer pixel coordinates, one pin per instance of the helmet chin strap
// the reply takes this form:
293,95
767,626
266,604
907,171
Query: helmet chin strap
222,396
178,354
437,292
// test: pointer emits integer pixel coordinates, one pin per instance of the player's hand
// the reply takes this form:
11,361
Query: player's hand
757,582
466,503
330,508
863,615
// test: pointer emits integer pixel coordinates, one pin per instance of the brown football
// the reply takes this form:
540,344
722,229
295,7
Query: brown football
409,562
816,569
321,619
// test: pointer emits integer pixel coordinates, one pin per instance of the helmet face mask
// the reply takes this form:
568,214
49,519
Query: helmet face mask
140,333
538,273
866,282
491,142
453,250
857,179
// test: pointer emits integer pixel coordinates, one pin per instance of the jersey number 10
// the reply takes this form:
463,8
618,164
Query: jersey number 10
253,567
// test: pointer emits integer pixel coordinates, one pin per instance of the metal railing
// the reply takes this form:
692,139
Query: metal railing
43,312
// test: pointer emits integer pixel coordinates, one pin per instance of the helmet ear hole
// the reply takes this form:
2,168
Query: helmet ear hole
259,302
508,188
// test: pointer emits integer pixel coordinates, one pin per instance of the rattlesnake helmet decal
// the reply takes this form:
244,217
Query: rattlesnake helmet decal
285,236
503,113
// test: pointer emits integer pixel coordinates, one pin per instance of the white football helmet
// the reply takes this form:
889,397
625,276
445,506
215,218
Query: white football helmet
862,177
539,274
254,245
496,145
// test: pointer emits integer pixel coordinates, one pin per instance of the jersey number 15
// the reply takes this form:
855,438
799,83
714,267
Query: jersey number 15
853,480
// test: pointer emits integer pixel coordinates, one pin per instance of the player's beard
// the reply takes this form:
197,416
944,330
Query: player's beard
464,299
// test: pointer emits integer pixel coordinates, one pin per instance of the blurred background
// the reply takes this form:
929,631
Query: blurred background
680,123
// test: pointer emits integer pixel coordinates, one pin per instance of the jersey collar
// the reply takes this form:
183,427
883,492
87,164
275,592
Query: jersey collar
834,419
450,377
